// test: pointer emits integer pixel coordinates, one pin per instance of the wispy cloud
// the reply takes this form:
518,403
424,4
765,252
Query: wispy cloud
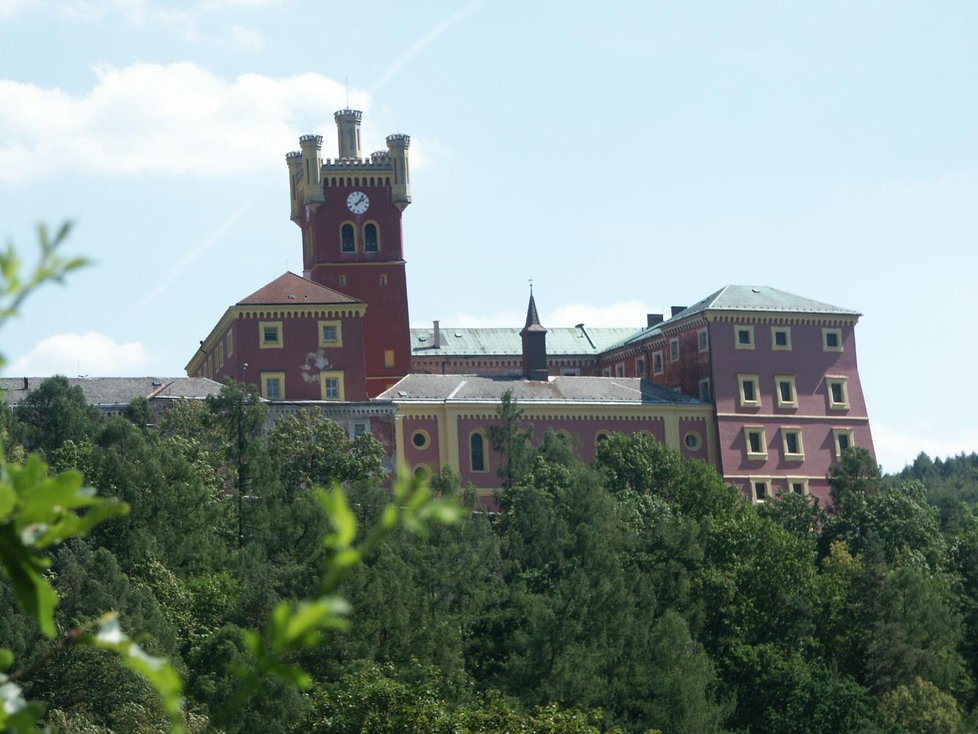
207,243
156,118
422,43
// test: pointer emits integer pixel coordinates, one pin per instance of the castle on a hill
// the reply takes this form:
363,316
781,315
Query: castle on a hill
759,383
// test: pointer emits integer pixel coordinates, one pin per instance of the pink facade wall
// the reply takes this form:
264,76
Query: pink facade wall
300,337
809,363
430,455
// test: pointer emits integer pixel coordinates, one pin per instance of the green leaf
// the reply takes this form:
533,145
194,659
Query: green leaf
341,517
156,671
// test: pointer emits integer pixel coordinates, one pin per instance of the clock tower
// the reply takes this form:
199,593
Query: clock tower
349,210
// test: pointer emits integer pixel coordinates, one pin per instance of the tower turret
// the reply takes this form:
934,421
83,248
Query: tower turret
296,177
312,170
534,344
348,132
397,147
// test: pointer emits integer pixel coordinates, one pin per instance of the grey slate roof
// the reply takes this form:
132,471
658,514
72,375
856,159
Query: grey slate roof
478,388
745,298
507,341
117,390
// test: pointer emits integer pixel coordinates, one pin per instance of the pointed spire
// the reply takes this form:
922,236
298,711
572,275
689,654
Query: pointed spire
534,343
532,317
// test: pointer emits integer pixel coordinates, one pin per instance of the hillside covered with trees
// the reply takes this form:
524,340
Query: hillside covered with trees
636,594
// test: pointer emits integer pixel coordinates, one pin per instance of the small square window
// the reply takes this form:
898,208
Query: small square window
798,486
832,340
383,280
785,390
750,396
838,393
792,444
755,443
358,428
331,385
388,358
341,281
706,390
619,370
270,333
674,350
761,490
843,440
781,338
640,367
744,337
703,340
330,334
273,385
230,345
657,363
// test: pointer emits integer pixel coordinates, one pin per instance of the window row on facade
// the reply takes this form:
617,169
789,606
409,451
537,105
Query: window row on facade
781,338
272,336
786,391
766,488
792,442
331,385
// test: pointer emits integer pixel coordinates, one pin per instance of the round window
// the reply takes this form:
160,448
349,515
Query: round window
693,440
420,439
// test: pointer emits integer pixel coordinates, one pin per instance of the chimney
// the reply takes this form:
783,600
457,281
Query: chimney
436,337
677,309
27,384
653,319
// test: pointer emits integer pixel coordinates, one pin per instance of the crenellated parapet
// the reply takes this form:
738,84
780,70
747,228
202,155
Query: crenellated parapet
310,174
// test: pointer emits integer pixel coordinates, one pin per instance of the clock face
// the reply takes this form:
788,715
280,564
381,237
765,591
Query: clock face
357,202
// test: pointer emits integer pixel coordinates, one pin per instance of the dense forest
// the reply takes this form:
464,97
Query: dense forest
635,594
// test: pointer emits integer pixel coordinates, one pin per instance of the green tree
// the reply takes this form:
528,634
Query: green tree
308,449
511,440
55,412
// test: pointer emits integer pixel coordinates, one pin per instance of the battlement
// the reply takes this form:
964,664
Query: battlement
379,155
291,155
348,114
359,164
399,139
318,139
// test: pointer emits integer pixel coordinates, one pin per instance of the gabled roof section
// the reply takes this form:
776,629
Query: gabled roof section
108,391
760,298
752,298
477,342
290,289
556,390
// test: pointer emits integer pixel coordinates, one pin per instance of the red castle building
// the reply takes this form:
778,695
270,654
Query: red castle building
760,383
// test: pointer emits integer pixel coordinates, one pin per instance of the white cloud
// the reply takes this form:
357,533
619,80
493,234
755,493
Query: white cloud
622,313
171,119
90,353
896,445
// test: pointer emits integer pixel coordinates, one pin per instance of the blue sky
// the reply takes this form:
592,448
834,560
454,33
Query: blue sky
627,157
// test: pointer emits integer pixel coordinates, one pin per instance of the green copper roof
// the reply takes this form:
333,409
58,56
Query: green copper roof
507,341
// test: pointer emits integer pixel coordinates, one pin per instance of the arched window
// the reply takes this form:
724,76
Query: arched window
477,451
348,241
370,237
